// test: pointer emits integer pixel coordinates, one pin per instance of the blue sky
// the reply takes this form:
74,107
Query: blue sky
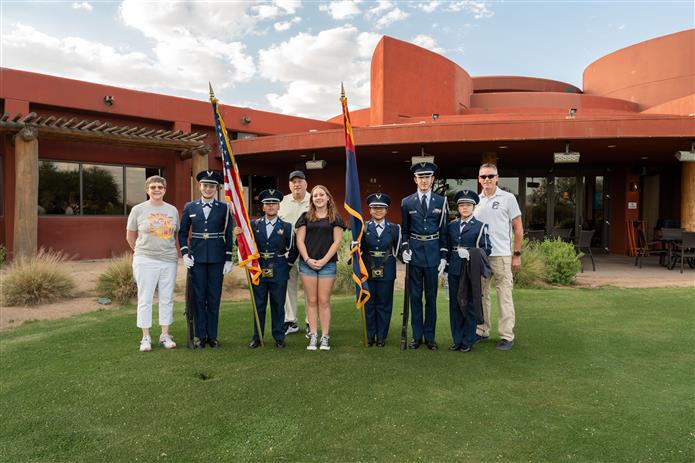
290,56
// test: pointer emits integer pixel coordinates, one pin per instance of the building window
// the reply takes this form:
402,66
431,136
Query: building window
71,188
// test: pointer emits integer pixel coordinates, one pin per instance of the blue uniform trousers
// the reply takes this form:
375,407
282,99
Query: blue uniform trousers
207,288
462,328
427,279
378,308
277,292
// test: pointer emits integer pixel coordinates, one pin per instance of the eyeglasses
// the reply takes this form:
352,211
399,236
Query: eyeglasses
157,187
490,177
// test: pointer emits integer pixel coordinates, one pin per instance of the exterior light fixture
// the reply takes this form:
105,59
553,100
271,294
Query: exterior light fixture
109,100
571,113
686,155
315,164
435,116
245,120
566,157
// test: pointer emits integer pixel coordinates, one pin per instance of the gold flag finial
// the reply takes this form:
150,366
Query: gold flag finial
212,94
342,91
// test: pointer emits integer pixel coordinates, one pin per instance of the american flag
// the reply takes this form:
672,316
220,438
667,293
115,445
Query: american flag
353,206
234,192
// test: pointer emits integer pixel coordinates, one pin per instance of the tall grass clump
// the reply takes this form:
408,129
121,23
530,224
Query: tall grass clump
37,280
344,283
3,255
562,263
532,271
117,281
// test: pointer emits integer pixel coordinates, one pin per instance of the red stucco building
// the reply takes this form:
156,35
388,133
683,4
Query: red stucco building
75,154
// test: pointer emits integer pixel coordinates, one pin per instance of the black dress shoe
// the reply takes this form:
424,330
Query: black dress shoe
280,344
200,343
370,342
414,344
380,343
432,345
479,338
254,343
465,348
213,343
455,347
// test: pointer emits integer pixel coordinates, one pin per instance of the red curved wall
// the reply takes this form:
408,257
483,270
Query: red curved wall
649,73
407,80
520,100
485,84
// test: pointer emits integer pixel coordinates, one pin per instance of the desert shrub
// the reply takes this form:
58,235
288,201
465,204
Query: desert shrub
562,263
532,271
37,280
117,281
343,283
3,255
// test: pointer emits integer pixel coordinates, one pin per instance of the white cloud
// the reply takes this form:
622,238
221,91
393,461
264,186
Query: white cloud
391,17
185,67
430,7
82,6
312,67
340,10
478,8
385,13
427,42
286,25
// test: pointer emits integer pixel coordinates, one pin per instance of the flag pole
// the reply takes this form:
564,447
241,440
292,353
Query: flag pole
257,319
355,251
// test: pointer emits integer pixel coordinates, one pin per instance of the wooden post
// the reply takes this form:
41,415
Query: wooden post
26,201
688,195
199,161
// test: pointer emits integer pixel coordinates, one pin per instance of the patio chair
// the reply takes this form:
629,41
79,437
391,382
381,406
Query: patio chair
685,250
584,245
563,233
647,248
670,237
535,235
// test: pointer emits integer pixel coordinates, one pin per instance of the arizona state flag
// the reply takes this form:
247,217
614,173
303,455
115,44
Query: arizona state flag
234,192
353,206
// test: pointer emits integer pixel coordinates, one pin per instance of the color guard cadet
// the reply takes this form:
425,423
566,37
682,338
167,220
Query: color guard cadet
275,241
380,243
424,217
463,235
208,253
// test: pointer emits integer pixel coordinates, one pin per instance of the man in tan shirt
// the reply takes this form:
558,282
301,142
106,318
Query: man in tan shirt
291,207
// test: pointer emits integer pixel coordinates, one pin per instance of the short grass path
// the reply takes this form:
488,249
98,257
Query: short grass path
596,375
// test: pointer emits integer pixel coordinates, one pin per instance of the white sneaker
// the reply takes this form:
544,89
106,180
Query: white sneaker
291,328
325,345
166,341
146,344
313,340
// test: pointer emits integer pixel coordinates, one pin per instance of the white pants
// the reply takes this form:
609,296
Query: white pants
151,274
291,299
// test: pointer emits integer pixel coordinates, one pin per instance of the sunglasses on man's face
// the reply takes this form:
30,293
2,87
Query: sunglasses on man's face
157,187
490,177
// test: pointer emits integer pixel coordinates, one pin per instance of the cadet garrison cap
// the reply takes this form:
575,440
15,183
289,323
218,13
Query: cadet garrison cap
270,196
423,169
467,196
210,176
378,200
297,173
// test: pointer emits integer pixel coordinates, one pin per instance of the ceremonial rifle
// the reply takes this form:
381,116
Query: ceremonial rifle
188,309
406,308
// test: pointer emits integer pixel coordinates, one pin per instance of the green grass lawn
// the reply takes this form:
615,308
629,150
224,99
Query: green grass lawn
596,375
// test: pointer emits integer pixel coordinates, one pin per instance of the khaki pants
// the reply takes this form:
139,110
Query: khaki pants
291,299
504,283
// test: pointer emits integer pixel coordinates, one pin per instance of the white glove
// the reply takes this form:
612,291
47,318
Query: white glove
463,253
353,244
227,267
188,261
407,255
442,266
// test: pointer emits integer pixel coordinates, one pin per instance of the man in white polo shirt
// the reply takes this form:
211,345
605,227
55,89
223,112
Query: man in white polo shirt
291,207
500,211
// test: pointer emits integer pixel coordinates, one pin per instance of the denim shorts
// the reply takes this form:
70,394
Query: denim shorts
327,271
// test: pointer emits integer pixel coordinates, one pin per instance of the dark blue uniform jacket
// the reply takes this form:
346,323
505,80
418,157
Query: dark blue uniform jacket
211,239
414,221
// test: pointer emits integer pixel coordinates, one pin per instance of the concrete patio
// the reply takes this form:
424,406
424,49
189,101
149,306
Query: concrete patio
620,271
